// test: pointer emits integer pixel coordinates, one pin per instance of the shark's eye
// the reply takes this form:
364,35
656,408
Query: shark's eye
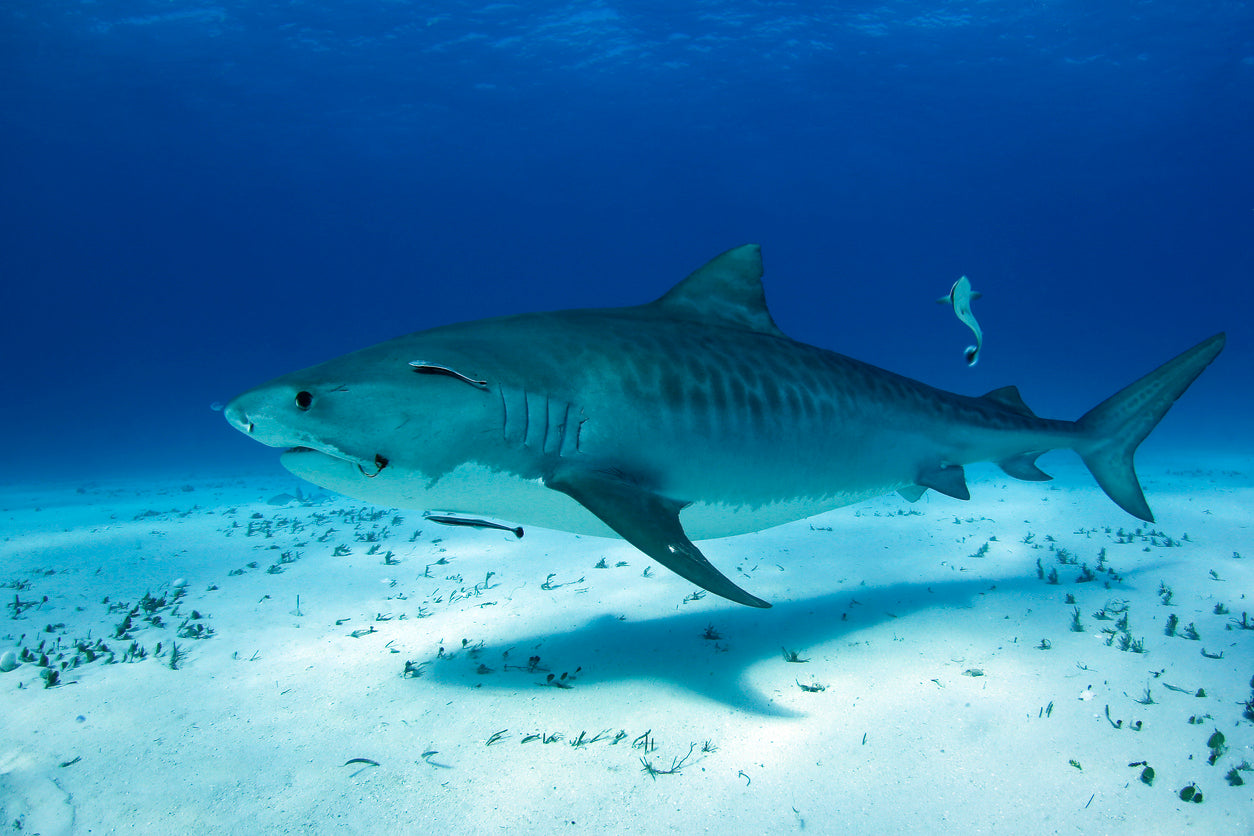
303,399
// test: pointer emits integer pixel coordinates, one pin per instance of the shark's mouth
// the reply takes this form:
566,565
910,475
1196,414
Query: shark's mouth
368,470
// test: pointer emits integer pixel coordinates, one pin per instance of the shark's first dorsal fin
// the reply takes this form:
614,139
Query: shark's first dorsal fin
727,291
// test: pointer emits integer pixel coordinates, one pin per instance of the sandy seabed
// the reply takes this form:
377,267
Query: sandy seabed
232,656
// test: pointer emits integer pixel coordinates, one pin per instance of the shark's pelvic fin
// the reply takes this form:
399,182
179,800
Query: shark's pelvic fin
1114,428
726,292
951,480
650,523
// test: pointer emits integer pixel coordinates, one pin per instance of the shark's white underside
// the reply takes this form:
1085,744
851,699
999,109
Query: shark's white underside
476,490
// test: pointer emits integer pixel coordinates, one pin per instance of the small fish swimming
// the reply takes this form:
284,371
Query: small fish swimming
960,298
473,523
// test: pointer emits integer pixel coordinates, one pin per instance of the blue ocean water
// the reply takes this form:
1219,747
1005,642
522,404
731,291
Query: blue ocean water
196,197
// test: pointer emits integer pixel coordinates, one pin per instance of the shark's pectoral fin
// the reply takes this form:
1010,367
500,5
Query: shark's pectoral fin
950,480
650,523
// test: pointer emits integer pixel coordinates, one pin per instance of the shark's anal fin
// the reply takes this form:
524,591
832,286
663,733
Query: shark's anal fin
1024,467
951,480
912,493
650,523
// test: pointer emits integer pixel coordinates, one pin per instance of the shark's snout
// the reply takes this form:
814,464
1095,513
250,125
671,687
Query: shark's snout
256,415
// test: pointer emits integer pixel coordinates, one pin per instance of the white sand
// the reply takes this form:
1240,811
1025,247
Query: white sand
895,615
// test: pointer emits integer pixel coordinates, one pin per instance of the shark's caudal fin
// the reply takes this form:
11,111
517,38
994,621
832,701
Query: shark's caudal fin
1114,428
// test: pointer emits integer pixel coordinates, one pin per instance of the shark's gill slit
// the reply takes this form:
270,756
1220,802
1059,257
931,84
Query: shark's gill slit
515,418
504,413
556,438
544,438
536,435
526,417
568,444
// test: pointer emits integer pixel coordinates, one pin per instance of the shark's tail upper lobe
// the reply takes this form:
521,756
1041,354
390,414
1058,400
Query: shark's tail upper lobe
1112,430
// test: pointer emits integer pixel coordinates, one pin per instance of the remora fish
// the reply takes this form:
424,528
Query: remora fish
689,417
959,298
471,522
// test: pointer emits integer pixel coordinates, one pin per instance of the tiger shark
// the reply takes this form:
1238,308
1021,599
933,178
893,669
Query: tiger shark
690,417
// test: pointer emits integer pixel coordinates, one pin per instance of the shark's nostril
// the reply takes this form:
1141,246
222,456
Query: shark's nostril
237,418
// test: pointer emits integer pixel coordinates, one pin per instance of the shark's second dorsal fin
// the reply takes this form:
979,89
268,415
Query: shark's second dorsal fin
727,291
1009,398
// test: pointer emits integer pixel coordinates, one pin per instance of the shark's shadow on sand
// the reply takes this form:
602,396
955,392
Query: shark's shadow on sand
674,649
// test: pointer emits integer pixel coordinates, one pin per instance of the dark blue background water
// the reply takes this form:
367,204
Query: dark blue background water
197,197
